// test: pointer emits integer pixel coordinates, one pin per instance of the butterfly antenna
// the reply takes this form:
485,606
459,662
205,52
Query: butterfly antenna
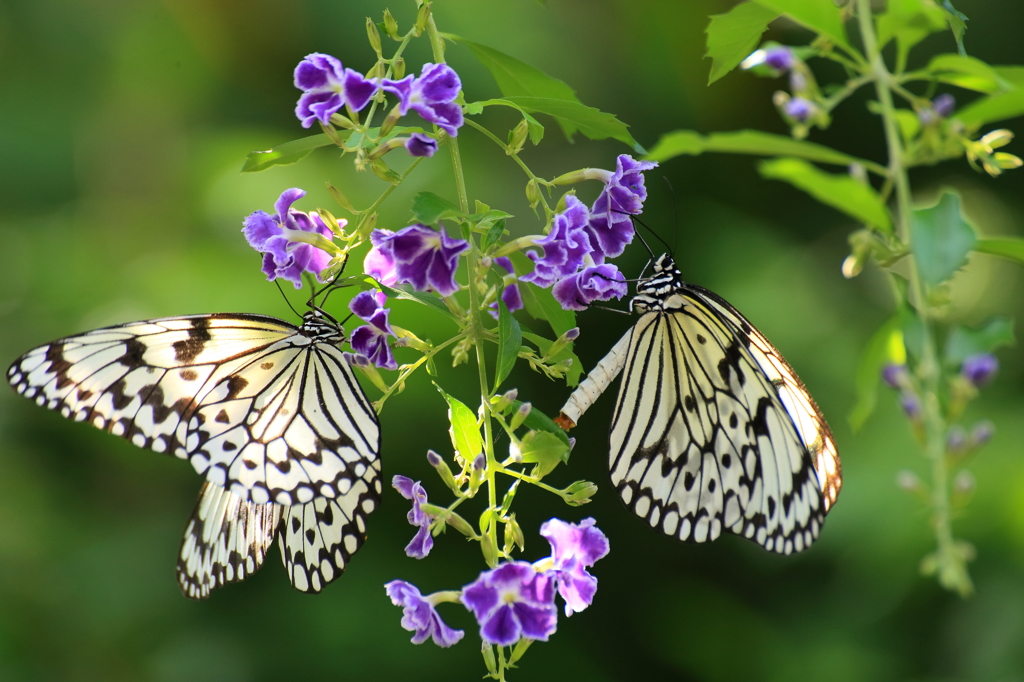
656,236
278,283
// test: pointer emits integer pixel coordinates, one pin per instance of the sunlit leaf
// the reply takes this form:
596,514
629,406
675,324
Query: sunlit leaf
407,293
734,35
754,142
572,376
966,341
287,153
594,123
909,22
539,421
877,354
1007,247
510,338
999,106
850,196
967,72
941,239
821,17
463,429
543,448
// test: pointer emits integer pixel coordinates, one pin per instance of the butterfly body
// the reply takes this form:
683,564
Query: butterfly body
270,413
712,431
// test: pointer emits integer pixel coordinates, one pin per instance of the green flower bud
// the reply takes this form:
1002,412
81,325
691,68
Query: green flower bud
374,35
391,25
579,493
398,68
517,138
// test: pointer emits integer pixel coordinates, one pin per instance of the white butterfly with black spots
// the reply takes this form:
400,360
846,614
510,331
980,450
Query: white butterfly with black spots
267,411
712,430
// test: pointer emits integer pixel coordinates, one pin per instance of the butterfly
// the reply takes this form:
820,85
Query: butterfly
270,413
713,431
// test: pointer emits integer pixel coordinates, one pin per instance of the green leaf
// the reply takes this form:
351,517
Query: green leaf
880,350
594,123
518,79
822,17
572,376
913,331
909,22
1007,247
965,341
430,208
541,305
545,449
957,24
754,142
406,292
464,430
941,239
539,421
287,153
533,126
850,196
734,35
967,72
494,234
510,338
999,106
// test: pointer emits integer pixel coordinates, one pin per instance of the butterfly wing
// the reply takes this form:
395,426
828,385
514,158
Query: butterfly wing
252,403
225,541
703,439
318,538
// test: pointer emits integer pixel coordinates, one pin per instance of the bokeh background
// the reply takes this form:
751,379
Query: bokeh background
123,127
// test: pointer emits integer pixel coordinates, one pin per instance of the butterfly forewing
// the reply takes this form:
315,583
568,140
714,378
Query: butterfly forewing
255,404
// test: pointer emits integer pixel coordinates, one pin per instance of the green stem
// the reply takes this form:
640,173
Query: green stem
515,157
407,372
952,571
369,210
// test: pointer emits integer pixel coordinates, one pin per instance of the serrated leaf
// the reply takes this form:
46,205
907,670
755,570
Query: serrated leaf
876,355
545,449
463,429
734,35
287,153
510,338
1007,247
941,239
541,305
842,192
538,421
966,341
594,123
428,208
821,17
753,142
957,24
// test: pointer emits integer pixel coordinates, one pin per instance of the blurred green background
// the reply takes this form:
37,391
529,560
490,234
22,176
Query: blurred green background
123,126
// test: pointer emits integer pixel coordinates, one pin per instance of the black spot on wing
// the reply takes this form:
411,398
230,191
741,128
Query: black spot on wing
236,384
133,352
58,364
186,351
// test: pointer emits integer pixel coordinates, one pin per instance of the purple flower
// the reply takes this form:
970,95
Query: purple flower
511,295
574,548
432,96
982,433
799,109
422,542
371,339
979,369
423,257
610,228
779,58
421,145
565,247
327,87
380,266
419,615
596,283
944,104
512,601
270,235
911,405
894,375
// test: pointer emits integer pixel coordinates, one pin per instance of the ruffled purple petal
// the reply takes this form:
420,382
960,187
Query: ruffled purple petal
318,70
565,247
364,305
438,83
318,106
419,144
583,541
419,615
445,115
535,622
380,266
577,588
597,283
513,298
402,90
421,544
258,227
511,601
404,485
358,89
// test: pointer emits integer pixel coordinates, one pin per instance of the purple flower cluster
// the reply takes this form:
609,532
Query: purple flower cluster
371,340
327,87
431,95
516,599
274,237
417,255
581,240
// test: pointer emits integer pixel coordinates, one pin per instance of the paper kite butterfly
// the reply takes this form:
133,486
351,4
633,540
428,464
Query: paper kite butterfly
713,431
270,413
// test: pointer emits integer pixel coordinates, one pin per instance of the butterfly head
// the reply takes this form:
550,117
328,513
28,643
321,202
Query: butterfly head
320,326
654,291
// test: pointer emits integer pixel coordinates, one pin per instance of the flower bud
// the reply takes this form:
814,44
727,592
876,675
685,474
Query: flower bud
517,138
944,104
1007,161
779,58
489,550
964,483
799,109
520,416
561,342
476,473
457,522
421,18
895,375
443,470
979,369
392,118
956,441
340,197
911,405
363,364
532,193
997,138
579,493
343,122
381,170
391,26
982,433
398,68
374,35
489,660
501,402
908,480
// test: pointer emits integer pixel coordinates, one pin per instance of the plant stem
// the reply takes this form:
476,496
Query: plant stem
515,157
952,571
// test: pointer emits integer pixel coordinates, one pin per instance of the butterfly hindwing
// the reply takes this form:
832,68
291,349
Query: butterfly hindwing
256,404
